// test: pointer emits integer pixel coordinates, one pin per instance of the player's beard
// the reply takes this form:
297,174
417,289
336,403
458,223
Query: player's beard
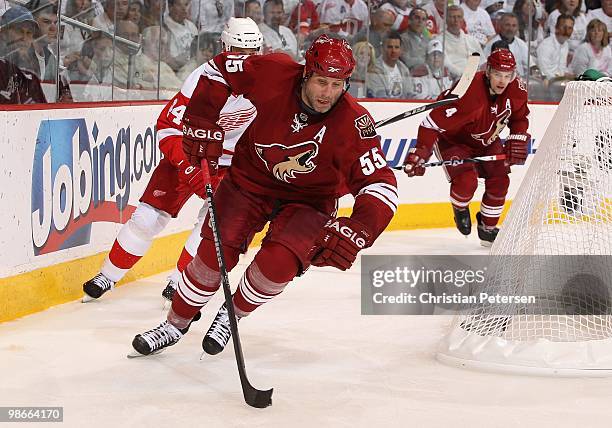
314,103
311,101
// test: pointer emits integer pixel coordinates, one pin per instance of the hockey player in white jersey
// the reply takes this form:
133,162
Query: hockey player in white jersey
432,78
174,181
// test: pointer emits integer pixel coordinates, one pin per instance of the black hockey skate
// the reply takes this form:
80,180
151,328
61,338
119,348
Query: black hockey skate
486,234
219,333
156,340
96,287
463,220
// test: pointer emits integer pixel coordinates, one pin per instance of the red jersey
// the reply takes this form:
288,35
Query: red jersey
306,12
235,116
290,154
477,118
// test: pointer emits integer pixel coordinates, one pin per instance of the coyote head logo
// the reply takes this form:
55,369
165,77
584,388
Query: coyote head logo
491,134
284,162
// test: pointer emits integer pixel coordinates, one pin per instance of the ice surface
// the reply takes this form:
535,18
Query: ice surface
329,366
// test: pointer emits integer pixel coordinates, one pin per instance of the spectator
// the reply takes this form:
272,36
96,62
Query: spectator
203,48
554,50
458,46
350,15
81,10
124,72
45,15
594,52
17,31
252,9
149,61
72,37
45,48
604,14
569,7
391,78
153,9
105,21
400,11
477,21
523,9
436,77
416,39
135,12
95,68
95,61
239,9
211,15
18,86
492,7
306,12
382,20
181,33
277,37
508,30
435,16
365,59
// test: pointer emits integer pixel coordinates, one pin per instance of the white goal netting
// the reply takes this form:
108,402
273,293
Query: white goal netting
555,245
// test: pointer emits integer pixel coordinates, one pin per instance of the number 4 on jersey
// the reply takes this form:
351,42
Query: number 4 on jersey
371,161
177,112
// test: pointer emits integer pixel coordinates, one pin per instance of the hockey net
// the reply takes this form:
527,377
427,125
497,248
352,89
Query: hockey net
555,245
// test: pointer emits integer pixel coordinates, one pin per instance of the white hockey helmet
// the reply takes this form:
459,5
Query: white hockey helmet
241,33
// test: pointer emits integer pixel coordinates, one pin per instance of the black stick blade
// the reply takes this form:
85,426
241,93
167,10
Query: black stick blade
256,398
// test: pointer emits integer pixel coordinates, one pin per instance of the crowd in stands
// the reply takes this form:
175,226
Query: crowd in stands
103,50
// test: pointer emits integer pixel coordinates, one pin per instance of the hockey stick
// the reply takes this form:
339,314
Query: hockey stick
252,396
456,162
460,89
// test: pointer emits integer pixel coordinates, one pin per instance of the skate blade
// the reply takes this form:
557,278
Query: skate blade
166,304
136,354
486,244
87,298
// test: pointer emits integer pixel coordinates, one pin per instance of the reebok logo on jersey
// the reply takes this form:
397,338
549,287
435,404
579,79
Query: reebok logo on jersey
365,126
284,162
158,193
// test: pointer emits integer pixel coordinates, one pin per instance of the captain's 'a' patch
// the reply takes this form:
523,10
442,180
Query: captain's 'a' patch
365,126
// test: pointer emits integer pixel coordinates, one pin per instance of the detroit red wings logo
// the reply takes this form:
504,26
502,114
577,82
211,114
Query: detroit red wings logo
234,120
285,162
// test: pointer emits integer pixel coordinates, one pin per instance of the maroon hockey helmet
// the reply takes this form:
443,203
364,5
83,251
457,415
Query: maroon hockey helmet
330,57
502,60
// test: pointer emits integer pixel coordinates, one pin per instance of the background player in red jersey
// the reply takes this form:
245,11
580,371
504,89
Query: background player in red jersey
470,127
174,180
308,139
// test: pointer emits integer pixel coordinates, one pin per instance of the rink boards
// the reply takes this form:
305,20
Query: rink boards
70,177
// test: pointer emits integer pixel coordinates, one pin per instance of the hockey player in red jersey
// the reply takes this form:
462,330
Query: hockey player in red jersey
309,138
470,127
174,180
